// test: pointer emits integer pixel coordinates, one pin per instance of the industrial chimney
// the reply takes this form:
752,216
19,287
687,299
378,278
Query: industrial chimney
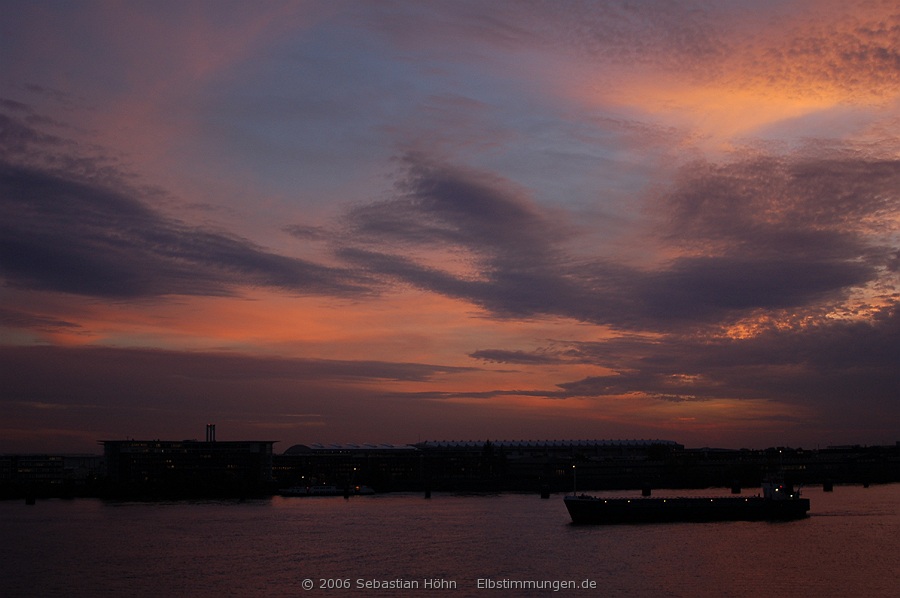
210,432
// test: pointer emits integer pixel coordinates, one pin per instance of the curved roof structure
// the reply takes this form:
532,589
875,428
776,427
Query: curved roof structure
545,443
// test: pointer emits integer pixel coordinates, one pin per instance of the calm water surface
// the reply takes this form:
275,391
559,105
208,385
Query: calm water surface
850,545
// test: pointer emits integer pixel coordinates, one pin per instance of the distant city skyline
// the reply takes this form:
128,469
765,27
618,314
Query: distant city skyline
393,222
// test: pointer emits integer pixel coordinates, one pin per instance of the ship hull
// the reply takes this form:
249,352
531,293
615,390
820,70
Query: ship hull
606,511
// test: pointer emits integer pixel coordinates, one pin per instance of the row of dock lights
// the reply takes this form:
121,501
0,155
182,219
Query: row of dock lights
827,486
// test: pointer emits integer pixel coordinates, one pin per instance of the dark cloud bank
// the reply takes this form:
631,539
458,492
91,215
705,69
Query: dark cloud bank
108,392
787,238
753,236
86,231
767,240
759,234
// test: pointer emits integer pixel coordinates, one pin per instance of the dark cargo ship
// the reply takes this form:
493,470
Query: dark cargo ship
778,503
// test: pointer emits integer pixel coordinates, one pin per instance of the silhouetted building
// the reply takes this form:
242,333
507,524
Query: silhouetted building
40,469
385,467
545,464
473,465
188,467
48,475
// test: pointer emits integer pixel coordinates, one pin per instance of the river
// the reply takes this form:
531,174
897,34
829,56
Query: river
455,545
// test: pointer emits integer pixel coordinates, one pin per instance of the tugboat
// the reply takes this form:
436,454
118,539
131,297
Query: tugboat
779,502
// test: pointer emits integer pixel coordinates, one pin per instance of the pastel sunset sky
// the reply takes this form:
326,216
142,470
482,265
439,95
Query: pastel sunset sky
399,221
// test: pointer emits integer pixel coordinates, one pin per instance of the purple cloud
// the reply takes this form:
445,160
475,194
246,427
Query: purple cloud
94,235
756,235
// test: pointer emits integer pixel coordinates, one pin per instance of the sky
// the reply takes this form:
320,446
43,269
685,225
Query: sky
401,221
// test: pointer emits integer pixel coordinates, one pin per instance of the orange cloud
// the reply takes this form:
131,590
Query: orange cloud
791,63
